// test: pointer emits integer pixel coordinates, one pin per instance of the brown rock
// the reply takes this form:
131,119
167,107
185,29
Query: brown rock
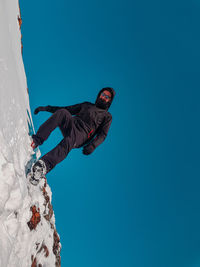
56,248
34,262
35,219
44,247
20,21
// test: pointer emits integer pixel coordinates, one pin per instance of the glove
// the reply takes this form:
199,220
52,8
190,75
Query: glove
88,149
39,109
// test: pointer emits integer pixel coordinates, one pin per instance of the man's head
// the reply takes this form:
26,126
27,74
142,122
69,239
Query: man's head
105,98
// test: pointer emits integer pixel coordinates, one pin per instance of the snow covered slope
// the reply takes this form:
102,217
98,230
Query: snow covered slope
27,224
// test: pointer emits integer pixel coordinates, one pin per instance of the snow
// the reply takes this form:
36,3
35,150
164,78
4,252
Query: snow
17,195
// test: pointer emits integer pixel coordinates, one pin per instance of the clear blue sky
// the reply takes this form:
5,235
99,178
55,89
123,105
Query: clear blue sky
135,202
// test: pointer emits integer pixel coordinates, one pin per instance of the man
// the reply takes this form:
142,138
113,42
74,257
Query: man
88,128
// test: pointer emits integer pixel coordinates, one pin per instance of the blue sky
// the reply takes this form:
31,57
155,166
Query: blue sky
135,200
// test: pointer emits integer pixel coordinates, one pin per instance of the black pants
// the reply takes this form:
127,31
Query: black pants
73,137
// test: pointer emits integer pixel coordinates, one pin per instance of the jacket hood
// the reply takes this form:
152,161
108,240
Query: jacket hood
112,91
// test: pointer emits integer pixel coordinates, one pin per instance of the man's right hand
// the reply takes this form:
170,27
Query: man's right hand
39,109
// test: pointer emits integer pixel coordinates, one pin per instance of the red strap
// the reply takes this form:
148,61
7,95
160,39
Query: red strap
90,133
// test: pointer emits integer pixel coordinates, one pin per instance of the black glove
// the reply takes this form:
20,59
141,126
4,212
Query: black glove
39,109
88,149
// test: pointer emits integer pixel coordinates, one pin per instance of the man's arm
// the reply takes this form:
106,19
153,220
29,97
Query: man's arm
74,109
100,136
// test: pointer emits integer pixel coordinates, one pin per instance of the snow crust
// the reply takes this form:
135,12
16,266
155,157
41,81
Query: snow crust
17,242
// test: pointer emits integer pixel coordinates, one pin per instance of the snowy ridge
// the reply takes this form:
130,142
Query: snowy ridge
27,223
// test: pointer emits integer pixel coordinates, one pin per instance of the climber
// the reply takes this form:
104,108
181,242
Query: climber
87,128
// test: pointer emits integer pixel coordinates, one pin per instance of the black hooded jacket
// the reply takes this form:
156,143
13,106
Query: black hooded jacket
92,120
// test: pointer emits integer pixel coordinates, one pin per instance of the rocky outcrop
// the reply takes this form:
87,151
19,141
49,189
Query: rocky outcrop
42,214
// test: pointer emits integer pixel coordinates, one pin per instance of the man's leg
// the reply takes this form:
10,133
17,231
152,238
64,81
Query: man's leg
61,118
60,152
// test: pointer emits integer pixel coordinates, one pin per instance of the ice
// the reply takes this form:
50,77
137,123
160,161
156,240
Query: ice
17,196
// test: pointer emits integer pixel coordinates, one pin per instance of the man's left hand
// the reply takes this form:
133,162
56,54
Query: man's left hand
87,150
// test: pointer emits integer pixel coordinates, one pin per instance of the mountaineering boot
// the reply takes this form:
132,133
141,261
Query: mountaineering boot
38,171
34,145
36,141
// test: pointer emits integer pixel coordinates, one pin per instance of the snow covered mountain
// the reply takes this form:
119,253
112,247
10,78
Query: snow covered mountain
27,224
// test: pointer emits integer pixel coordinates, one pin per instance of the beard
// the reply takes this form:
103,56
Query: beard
100,103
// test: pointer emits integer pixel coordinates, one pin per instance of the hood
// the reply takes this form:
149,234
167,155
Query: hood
112,91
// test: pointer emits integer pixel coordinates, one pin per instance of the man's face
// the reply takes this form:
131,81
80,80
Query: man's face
106,96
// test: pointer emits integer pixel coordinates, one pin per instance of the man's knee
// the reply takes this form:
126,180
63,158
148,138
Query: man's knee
63,116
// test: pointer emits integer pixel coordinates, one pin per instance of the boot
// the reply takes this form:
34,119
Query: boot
36,141
38,171
34,145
